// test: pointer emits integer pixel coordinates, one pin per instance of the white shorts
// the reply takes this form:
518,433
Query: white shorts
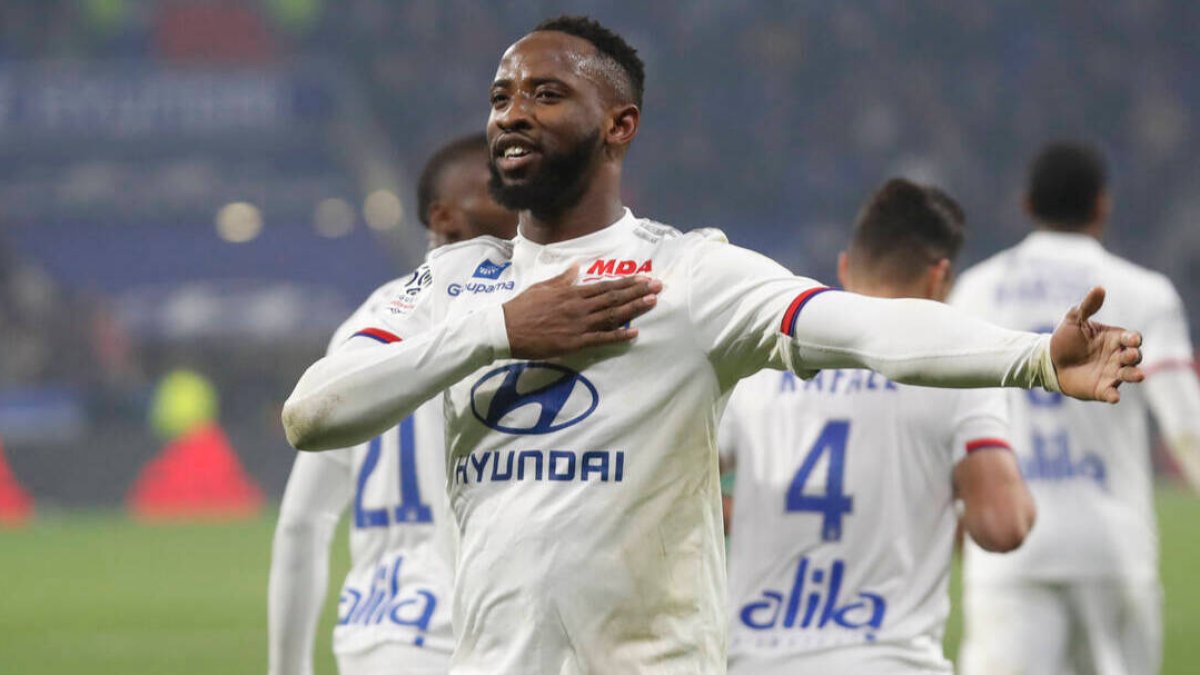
394,658
1080,628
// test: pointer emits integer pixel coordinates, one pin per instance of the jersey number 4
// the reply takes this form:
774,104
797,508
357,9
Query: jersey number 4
835,502
410,509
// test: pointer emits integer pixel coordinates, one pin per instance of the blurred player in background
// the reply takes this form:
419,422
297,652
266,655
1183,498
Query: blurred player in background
1082,595
584,366
394,609
453,198
844,512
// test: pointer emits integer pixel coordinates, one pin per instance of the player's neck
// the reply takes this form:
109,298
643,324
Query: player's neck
1095,230
599,207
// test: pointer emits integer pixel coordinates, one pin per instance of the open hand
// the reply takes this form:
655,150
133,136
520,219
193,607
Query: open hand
556,317
1092,359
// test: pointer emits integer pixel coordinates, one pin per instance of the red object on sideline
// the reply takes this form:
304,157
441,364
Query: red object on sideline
197,476
16,505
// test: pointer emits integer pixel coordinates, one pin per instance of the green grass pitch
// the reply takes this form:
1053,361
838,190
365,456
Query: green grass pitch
100,594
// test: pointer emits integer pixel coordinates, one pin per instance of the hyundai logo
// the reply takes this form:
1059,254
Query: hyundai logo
532,398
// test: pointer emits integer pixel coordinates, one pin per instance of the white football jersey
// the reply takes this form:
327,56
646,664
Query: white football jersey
844,518
588,505
1087,464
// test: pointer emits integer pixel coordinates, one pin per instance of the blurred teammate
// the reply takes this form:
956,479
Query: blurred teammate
394,609
582,462
1082,595
844,517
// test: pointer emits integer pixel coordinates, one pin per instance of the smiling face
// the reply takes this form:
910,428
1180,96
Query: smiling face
551,122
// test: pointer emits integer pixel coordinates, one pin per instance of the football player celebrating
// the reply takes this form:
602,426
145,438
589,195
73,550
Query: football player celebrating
1082,595
844,511
584,370
394,610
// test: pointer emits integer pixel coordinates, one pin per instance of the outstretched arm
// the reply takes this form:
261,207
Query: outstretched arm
927,343
379,378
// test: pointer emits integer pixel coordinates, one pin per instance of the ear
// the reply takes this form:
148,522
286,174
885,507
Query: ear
1104,207
843,271
938,280
623,125
439,216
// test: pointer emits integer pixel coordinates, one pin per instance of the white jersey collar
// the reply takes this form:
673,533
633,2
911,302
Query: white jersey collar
599,241
1041,240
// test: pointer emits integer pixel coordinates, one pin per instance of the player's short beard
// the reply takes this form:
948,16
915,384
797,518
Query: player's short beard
558,184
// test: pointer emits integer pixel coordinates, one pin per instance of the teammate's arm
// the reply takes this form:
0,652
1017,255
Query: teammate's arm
363,389
1174,397
998,510
1172,387
318,490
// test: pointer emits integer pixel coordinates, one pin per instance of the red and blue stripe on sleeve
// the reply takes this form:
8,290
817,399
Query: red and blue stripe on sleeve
378,334
788,326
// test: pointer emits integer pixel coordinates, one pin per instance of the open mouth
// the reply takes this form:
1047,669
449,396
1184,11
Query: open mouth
514,154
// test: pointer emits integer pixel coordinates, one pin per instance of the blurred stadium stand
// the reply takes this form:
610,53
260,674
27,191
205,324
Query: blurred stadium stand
215,184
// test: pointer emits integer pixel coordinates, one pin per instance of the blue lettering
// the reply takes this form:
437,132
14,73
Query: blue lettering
821,601
508,468
387,601
789,619
774,600
837,378
1051,461
554,473
554,465
594,461
479,466
817,382
537,465
351,596
835,587
787,382
856,382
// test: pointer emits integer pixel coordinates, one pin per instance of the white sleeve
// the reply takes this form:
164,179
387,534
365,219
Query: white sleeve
736,300
1174,397
912,341
318,490
750,313
1171,385
1167,345
400,353
980,422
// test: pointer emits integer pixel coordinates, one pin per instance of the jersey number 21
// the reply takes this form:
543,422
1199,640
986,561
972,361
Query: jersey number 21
410,509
